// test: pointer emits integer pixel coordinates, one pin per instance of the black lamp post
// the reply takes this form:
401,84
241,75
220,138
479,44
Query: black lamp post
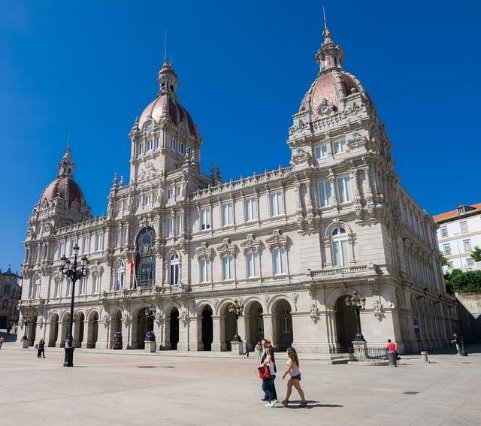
357,303
24,322
236,308
74,272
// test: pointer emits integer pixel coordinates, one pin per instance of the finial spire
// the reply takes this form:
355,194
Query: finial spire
165,46
325,17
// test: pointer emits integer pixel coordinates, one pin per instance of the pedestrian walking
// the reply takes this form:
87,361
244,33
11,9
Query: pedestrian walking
265,346
457,342
246,347
294,377
268,383
258,351
391,353
1,341
41,348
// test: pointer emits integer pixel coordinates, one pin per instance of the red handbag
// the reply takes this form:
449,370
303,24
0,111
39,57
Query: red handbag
264,372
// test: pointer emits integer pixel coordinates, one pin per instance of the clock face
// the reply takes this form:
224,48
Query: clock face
148,127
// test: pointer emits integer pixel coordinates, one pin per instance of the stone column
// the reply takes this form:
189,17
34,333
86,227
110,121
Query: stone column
195,324
216,331
103,336
268,326
159,333
126,332
184,330
241,327
167,345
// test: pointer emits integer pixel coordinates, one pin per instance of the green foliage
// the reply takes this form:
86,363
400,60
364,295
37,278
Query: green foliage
444,260
476,254
463,282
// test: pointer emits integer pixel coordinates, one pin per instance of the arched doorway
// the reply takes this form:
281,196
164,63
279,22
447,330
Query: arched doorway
32,331
93,329
174,328
79,329
229,328
255,329
115,325
345,324
52,339
284,336
207,328
144,324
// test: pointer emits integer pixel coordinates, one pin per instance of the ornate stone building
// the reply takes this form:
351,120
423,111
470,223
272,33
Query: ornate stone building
289,244
10,294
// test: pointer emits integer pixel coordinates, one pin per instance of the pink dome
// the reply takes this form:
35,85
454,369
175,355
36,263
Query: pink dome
63,187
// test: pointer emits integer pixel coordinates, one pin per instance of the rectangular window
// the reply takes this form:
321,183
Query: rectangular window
177,190
344,191
226,214
169,226
141,147
278,261
464,226
173,144
447,249
252,268
227,268
320,151
156,143
467,245
118,237
150,145
204,265
147,200
56,292
250,209
95,283
276,203
444,232
170,193
138,201
181,148
61,251
469,262
99,242
187,152
339,253
338,146
325,193
178,225
204,219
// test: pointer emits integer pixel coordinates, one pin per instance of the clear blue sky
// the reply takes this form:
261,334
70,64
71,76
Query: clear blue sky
88,68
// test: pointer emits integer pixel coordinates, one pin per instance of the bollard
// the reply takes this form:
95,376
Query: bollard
424,354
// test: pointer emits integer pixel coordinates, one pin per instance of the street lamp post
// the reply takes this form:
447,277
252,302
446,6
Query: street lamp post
236,308
74,272
357,303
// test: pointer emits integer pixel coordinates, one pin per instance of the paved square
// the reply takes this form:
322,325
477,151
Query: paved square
134,388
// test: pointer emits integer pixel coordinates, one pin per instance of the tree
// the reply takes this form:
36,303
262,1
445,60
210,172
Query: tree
463,282
476,254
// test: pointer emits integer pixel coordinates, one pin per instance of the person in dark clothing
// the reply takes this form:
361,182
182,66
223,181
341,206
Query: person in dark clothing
265,346
41,348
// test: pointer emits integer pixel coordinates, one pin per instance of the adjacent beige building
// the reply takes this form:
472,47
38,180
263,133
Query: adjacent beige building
289,244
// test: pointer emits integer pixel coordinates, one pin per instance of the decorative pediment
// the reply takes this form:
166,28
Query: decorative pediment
204,251
277,240
226,248
356,141
300,157
251,244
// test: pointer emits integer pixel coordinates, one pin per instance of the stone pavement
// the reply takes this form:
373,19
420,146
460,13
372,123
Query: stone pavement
134,388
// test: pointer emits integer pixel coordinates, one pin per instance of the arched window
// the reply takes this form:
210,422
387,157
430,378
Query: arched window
120,276
340,255
146,258
174,269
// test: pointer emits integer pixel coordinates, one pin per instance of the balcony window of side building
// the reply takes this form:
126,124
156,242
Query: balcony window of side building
447,249
467,245
339,247
463,225
444,232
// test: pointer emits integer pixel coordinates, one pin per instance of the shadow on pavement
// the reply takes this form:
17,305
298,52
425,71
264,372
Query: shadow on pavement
310,404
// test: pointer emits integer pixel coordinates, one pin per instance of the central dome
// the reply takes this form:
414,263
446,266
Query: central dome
167,105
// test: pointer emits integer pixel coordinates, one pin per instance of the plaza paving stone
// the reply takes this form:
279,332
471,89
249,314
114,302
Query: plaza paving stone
135,388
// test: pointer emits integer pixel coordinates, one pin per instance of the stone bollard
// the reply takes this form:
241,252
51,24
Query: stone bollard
424,354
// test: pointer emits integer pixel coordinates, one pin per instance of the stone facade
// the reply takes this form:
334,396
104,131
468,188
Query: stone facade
177,248
10,294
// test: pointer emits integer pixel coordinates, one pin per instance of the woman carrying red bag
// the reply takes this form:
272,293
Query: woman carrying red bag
268,383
